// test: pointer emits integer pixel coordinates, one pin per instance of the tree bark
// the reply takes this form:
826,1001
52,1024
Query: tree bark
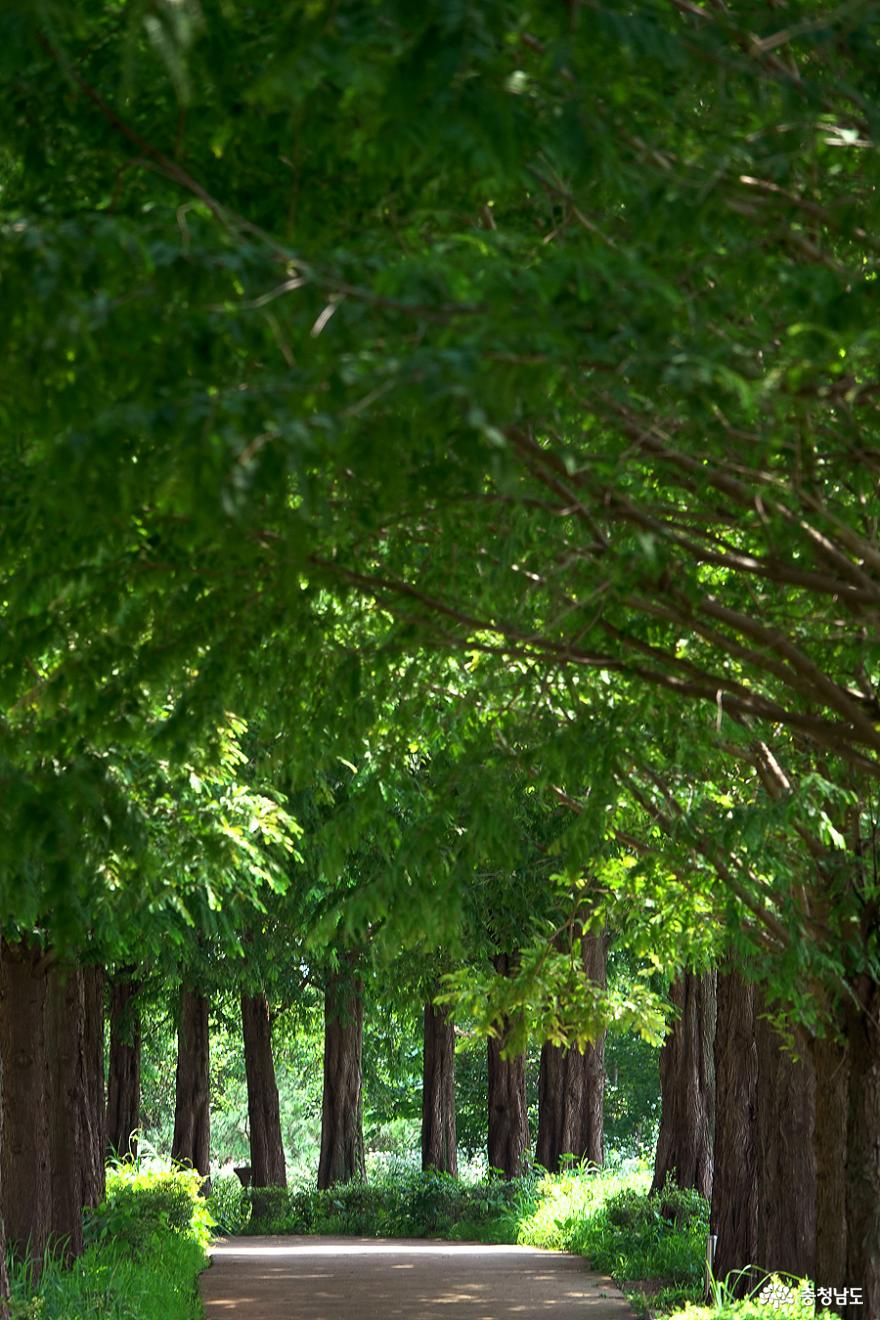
94,1116
24,1160
124,1079
439,1149
4,1276
786,1168
571,1087
67,1105
830,1060
687,1088
508,1112
342,1137
863,1148
192,1116
268,1168
734,1184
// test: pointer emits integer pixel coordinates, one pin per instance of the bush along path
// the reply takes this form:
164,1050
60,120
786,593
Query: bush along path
145,1248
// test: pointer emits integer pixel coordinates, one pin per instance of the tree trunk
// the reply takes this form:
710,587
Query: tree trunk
67,1102
734,1185
438,1092
508,1111
192,1115
830,1060
571,1087
863,1149
342,1137
687,1088
786,1168
24,1161
264,1116
4,1276
94,1116
124,1080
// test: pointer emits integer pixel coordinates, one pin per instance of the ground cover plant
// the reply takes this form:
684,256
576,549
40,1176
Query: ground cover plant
145,1248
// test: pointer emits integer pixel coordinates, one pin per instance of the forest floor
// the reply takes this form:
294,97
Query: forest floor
323,1278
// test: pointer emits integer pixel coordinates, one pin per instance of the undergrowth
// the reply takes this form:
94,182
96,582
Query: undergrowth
145,1250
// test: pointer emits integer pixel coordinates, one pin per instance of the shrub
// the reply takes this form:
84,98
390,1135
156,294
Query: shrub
228,1204
144,1200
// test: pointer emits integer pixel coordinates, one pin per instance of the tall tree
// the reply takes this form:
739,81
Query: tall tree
687,1087
124,1068
508,1137
571,1088
268,1168
192,1115
26,1176
342,1135
439,1149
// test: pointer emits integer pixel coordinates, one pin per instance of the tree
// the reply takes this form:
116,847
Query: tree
268,1167
439,1148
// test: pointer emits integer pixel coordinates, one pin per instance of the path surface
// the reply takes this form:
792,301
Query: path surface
322,1278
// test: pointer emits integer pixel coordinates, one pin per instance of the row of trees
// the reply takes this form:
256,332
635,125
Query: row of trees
474,399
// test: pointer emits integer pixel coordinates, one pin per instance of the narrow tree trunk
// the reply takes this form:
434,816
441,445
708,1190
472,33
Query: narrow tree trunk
687,1088
342,1137
734,1184
863,1149
264,1115
192,1117
25,1150
124,1079
438,1092
786,1168
508,1112
571,1087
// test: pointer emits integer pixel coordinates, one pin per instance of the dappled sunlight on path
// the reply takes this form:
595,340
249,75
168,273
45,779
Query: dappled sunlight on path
358,1279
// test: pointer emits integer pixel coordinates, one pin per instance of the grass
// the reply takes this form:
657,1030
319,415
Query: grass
146,1248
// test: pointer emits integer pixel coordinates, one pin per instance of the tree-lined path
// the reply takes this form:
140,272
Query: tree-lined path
322,1278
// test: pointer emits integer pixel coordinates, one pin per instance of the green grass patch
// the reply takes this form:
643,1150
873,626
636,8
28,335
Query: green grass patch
146,1248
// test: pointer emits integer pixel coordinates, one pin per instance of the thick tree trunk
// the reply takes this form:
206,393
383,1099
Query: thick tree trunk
570,1096
571,1087
192,1116
24,1160
264,1115
863,1150
508,1111
687,1088
342,1137
734,1184
438,1092
124,1073
786,1168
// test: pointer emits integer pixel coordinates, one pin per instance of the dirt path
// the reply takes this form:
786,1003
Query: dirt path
320,1278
